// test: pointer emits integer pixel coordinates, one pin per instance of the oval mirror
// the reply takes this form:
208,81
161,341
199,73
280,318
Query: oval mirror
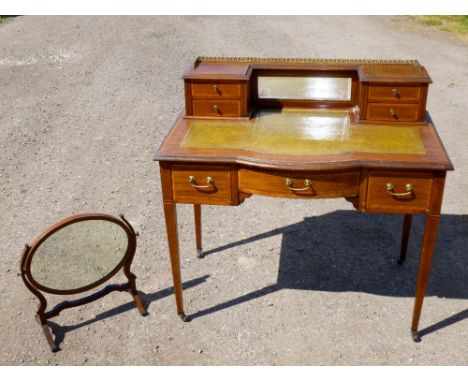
78,255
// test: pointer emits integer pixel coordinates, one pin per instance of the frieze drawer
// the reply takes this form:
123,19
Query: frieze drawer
399,192
201,184
295,185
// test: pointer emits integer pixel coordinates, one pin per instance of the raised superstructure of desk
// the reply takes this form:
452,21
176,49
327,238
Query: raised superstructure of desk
361,132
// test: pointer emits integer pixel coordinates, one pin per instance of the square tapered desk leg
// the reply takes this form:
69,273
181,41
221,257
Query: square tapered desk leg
430,234
427,251
170,214
198,229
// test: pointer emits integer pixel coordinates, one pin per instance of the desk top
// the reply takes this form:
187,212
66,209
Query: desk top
305,139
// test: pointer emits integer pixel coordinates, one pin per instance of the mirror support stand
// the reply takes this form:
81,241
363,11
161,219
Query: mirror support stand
42,316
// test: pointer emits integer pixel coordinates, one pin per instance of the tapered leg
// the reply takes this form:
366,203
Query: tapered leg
170,214
198,229
404,238
430,233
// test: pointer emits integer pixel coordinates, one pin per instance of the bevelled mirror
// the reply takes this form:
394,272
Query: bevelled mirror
312,88
75,255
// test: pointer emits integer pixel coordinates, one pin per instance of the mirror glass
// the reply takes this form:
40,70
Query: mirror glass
79,254
305,88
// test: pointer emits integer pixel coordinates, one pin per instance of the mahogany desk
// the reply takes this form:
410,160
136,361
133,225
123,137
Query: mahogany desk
306,129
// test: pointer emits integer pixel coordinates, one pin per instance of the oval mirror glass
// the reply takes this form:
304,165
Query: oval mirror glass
79,255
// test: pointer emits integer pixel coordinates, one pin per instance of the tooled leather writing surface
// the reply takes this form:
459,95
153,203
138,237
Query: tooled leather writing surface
303,132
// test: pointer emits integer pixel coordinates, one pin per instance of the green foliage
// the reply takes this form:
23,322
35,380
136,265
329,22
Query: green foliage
4,19
452,24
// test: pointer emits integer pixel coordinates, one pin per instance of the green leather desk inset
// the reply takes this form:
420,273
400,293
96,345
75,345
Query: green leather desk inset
301,132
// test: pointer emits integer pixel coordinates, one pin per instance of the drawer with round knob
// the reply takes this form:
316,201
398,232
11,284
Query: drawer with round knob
394,93
216,90
217,108
392,112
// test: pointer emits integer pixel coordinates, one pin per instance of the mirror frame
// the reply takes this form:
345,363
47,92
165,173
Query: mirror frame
303,103
127,258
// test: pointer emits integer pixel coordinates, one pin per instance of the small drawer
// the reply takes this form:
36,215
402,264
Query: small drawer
385,93
219,108
398,192
392,112
216,90
292,185
201,184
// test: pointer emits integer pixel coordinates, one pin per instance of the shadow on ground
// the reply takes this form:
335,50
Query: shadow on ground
60,331
346,251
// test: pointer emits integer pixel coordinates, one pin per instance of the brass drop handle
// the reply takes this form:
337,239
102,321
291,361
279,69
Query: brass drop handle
288,183
408,188
216,108
396,93
393,113
193,182
216,89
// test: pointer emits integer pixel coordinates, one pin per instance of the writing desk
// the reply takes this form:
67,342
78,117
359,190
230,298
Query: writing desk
334,128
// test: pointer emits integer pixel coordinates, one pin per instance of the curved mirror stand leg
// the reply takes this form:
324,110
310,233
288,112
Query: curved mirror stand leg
134,292
48,335
130,276
40,314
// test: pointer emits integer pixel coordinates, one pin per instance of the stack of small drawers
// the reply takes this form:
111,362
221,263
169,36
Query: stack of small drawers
217,94
396,94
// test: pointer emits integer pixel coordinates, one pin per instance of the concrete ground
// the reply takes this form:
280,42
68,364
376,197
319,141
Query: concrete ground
85,102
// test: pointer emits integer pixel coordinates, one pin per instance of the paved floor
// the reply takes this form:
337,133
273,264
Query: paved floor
85,102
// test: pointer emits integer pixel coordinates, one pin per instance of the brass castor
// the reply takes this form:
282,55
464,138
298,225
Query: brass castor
184,318
416,336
